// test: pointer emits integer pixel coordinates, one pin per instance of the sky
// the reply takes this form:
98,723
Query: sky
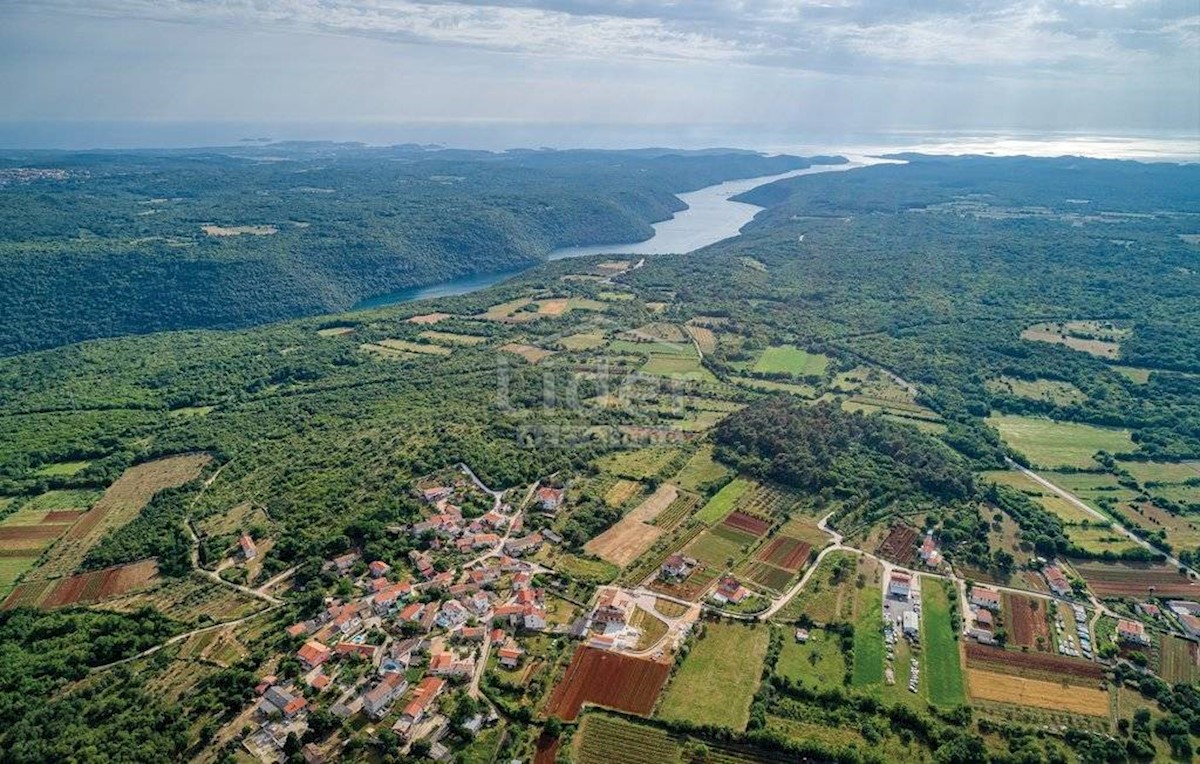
597,71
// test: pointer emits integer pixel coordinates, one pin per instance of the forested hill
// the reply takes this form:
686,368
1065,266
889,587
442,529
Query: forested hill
103,244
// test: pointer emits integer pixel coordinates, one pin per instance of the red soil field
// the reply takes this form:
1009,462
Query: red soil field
900,545
786,552
1011,662
27,532
547,750
1027,621
748,523
1128,580
62,516
83,588
607,679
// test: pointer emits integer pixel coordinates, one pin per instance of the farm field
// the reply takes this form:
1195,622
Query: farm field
1161,472
1052,444
788,359
826,598
1003,688
1179,659
120,503
641,464
428,318
900,545
450,338
868,638
678,510
1034,665
188,600
715,547
83,589
408,346
718,678
705,339
1049,390
603,739
527,352
1050,501
1136,580
1183,531
723,502
582,341
633,534
1027,622
941,666
701,469
817,663
1099,540
1090,337
607,679
620,492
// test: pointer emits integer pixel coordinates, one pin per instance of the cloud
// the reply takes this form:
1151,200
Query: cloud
1000,36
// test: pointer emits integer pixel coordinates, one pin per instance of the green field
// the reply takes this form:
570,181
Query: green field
677,366
11,569
1162,472
1048,443
818,663
713,549
718,678
868,638
61,469
723,502
941,669
640,464
604,739
701,470
789,359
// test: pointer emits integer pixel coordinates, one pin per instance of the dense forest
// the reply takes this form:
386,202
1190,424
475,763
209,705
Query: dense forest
120,243
854,457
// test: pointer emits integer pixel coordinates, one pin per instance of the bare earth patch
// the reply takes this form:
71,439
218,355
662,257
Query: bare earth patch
428,318
239,230
632,535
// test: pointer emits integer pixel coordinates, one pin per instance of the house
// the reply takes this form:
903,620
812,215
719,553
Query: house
1149,609
429,618
488,540
423,697
610,615
437,493
510,656
1057,581
1190,624
265,684
983,626
985,598
297,705
1132,632
730,590
313,654
384,601
473,633
899,585
347,621
551,536
277,700
602,641
447,664
319,682
423,563
479,603
452,614
521,580
550,498
519,546
346,561
677,566
493,519
249,550
299,629
369,652
510,565
312,754
929,551
533,618
483,576
498,637
378,699
411,613
379,569
801,635
911,625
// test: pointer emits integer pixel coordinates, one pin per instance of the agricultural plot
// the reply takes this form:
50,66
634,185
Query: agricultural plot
804,528
621,491
1099,539
786,552
942,667
1027,620
900,545
1033,665
119,504
718,678
452,339
63,469
1136,580
1183,531
188,600
677,511
1050,501
1053,444
1179,659
633,534
716,547
428,318
1097,338
800,390
641,464
723,501
701,470
745,523
766,575
582,341
704,337
818,663
868,638
651,627
604,739
830,596
83,589
607,679
336,331
407,346
1047,390
1003,688
788,359
1162,472
530,353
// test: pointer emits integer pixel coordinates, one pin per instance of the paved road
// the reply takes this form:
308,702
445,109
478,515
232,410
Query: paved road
1075,500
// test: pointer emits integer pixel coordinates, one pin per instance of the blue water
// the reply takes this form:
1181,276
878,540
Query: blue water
711,216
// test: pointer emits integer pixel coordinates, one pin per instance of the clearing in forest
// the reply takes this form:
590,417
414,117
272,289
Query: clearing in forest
428,318
450,338
789,359
528,352
121,503
1053,444
239,230
1099,338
